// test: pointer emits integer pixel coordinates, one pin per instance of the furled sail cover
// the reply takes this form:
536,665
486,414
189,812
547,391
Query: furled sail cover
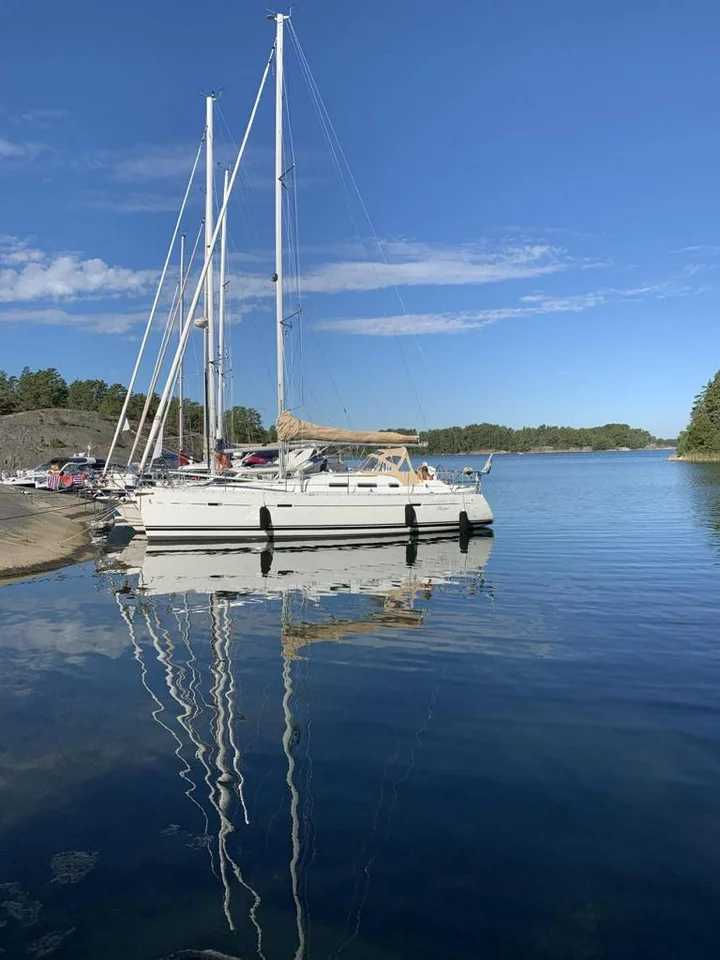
290,428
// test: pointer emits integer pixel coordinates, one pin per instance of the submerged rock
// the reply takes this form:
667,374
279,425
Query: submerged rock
49,943
17,905
200,955
72,865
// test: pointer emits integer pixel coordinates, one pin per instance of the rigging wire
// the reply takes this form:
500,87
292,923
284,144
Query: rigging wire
292,245
169,328
350,187
252,242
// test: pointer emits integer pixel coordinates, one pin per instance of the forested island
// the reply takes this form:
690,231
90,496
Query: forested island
701,439
488,437
47,389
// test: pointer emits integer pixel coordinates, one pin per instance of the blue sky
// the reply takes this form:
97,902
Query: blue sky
542,179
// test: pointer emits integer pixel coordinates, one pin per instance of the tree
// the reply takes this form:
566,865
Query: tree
137,405
8,399
703,432
490,436
86,394
40,389
112,403
246,425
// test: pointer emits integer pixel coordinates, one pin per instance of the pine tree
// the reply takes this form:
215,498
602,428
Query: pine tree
86,394
8,400
39,389
703,432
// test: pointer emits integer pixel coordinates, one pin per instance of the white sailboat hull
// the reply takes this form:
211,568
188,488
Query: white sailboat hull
127,514
302,511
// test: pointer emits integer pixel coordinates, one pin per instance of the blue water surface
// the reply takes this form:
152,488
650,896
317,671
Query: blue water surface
383,752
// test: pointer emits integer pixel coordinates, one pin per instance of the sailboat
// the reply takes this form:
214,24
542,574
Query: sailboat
384,497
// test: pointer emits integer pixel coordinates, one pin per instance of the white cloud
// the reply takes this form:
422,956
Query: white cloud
34,116
531,305
148,162
154,163
100,322
413,324
134,203
709,248
42,114
19,150
28,274
411,264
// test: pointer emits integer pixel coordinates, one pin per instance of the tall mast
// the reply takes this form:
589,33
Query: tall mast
190,315
221,314
279,318
181,324
209,284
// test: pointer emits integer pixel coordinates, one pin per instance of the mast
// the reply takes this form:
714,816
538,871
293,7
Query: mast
190,316
279,319
221,315
209,284
181,324
131,386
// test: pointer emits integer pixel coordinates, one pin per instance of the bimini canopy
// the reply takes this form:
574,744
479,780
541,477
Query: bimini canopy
290,428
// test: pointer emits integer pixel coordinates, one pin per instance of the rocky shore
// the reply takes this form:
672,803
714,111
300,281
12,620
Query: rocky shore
42,531
27,439
695,457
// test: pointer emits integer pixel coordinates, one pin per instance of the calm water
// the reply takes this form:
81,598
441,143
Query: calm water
512,752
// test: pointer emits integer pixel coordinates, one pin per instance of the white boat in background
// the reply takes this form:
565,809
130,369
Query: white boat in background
384,498
39,477
23,478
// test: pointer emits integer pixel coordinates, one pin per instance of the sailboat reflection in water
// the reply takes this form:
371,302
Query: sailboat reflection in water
183,604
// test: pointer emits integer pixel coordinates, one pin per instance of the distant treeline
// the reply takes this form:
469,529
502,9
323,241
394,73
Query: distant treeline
490,436
43,389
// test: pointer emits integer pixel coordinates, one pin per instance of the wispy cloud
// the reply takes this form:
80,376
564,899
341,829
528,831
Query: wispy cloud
133,202
150,162
34,116
531,305
707,248
92,322
145,163
21,150
27,273
44,117
414,264
411,264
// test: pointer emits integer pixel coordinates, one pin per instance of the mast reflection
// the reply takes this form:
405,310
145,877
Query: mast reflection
178,595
